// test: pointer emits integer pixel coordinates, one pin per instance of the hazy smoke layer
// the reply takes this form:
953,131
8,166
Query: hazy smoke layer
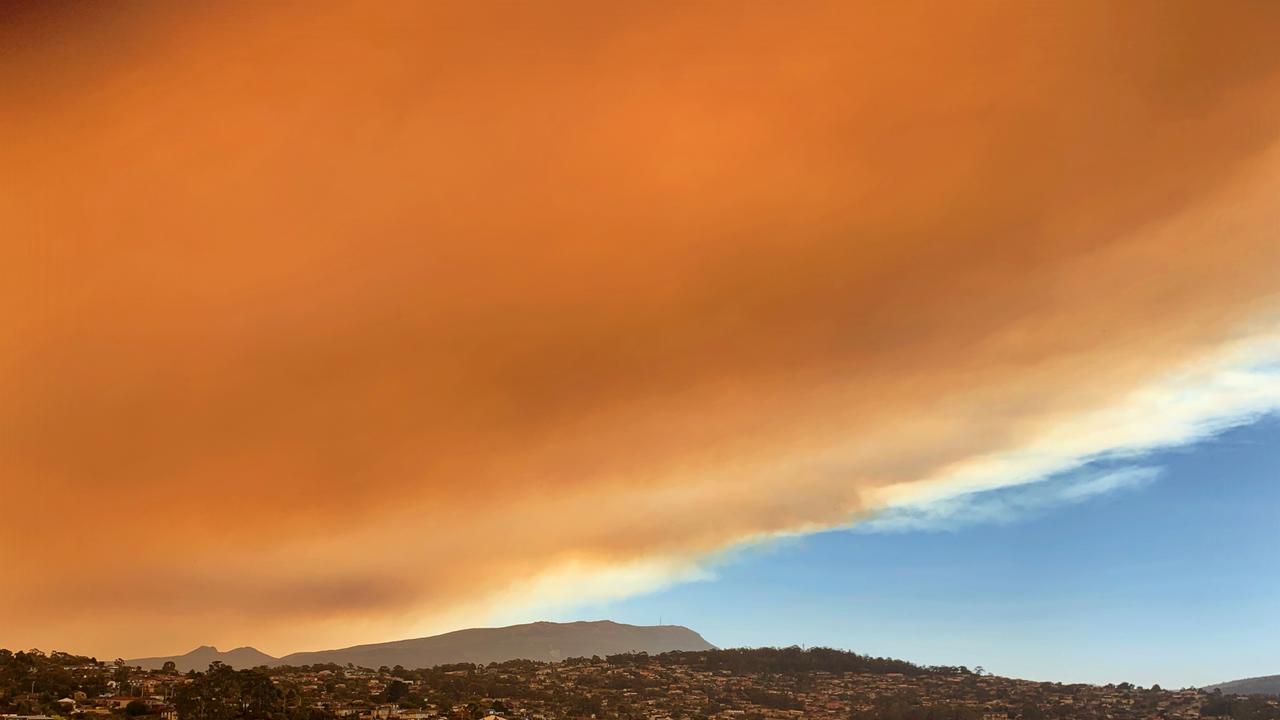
330,323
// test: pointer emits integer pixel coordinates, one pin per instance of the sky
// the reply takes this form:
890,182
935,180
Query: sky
329,323
1164,575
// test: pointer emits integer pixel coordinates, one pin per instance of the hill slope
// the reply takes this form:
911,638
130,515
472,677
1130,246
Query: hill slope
1265,685
534,641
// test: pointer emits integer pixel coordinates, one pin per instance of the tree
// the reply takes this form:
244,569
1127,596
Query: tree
226,694
135,708
170,666
397,690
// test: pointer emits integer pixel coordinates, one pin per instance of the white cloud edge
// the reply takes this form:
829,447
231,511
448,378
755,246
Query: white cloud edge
1234,388
1197,402
1004,506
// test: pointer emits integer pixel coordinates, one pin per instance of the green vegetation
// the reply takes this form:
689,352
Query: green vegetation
1240,707
226,694
780,660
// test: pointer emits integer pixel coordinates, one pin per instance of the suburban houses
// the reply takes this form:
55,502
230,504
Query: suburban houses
726,685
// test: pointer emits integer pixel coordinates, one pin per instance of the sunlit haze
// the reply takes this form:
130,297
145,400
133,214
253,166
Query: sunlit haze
326,323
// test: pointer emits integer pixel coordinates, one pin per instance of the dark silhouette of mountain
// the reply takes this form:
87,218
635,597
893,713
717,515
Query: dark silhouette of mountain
1265,685
534,641
199,659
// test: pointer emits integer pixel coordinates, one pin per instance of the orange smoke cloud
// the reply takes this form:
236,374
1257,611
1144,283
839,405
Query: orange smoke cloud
326,321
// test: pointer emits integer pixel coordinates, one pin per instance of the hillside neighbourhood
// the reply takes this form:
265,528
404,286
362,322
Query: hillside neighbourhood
761,684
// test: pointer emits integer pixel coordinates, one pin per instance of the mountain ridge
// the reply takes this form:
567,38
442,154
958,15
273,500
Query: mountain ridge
529,641
202,656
